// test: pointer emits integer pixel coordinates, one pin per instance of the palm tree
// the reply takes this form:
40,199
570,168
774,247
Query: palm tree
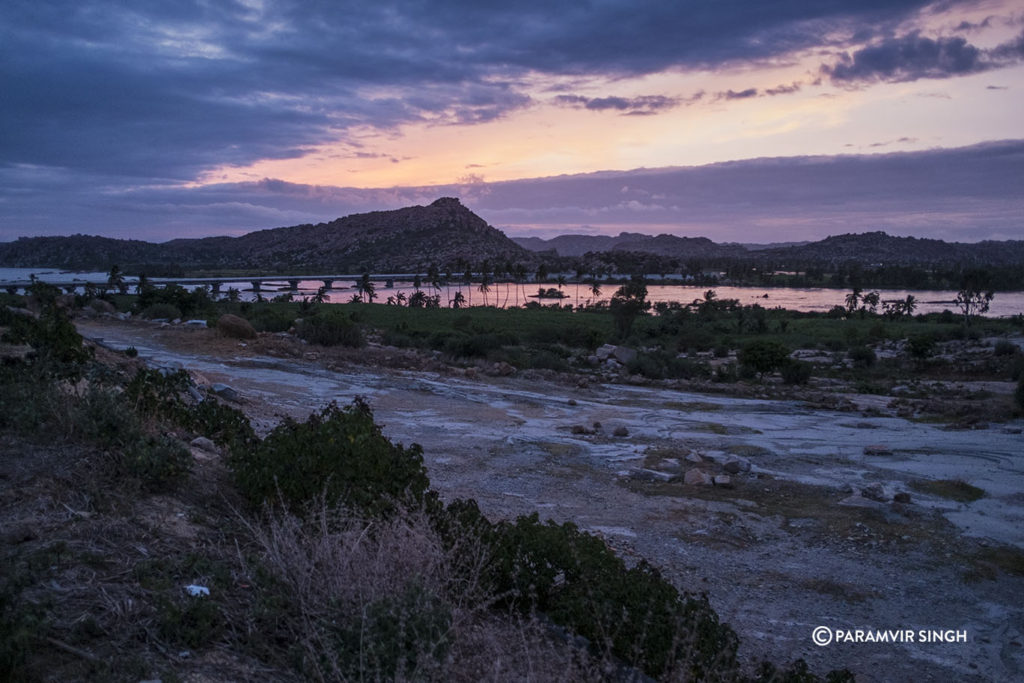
579,276
560,280
485,285
459,301
467,278
851,301
595,288
116,279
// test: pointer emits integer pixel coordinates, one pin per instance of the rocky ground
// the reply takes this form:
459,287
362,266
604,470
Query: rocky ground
806,510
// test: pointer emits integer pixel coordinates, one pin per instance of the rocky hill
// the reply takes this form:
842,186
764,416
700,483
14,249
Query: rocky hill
663,245
403,240
866,249
880,248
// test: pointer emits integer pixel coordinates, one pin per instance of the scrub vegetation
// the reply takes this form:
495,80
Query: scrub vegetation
318,551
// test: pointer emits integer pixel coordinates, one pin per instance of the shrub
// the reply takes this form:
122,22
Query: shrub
862,356
158,462
1005,347
271,319
330,331
339,453
763,356
796,372
161,311
634,613
921,346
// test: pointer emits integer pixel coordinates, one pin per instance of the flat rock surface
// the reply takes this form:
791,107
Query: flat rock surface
777,554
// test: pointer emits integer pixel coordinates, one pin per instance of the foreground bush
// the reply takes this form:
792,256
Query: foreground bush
339,453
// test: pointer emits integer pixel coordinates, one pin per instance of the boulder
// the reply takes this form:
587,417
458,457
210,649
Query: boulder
694,458
604,351
722,480
204,444
697,477
875,491
736,465
235,327
902,497
101,306
624,354
224,391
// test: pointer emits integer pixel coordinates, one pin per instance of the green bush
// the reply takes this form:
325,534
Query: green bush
862,356
272,319
330,331
634,613
921,346
339,453
763,356
160,311
158,462
796,372
1004,347
396,637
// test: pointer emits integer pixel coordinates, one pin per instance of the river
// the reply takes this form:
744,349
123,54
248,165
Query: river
503,294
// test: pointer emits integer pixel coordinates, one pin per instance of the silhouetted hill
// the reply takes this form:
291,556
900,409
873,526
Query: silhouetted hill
402,240
663,245
880,248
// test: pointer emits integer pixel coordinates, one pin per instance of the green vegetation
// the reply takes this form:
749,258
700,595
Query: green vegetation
361,573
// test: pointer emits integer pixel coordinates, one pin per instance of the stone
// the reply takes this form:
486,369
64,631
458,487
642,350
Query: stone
204,444
695,477
877,449
875,491
650,475
723,480
224,391
593,360
603,352
620,431
196,323
624,354
502,369
694,458
235,327
902,497
736,465
101,306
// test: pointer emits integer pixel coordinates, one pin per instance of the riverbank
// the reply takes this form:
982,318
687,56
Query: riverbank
813,534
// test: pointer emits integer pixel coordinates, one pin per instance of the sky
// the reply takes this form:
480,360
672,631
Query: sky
738,120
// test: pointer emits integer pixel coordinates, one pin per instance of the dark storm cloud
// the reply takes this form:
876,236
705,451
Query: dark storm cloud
645,104
912,57
166,90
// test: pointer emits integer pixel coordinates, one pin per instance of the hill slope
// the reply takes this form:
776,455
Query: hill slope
408,239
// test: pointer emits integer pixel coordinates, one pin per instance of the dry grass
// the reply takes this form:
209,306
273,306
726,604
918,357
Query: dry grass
337,572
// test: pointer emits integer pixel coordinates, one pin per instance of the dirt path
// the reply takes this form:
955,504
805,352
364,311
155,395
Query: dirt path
789,547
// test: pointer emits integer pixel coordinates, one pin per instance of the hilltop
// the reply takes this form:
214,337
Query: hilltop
407,239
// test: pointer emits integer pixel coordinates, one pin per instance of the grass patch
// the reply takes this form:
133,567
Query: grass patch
952,489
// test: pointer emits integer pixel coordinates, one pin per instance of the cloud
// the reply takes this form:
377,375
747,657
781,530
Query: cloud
912,57
644,104
783,89
734,95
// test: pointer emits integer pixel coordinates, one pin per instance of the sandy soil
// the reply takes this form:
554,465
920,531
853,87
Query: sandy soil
789,547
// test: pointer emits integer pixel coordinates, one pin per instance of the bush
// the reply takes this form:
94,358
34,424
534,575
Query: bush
796,372
339,453
764,356
632,612
161,311
1004,347
330,331
158,462
921,346
862,356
